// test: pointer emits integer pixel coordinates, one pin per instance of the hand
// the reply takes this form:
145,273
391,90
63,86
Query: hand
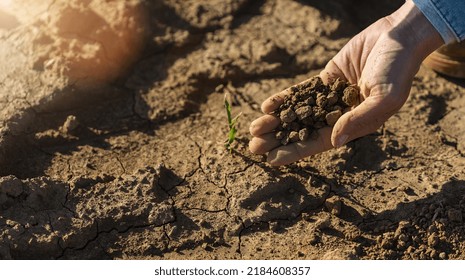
382,60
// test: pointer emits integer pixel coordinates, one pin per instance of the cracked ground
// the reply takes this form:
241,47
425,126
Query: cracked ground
137,169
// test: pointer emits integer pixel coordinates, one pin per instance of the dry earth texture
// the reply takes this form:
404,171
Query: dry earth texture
112,131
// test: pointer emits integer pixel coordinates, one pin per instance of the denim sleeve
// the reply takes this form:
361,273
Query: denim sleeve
447,16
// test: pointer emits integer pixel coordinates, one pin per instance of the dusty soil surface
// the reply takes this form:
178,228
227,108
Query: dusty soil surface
112,132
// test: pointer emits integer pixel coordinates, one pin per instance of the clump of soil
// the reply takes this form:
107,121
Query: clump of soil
311,106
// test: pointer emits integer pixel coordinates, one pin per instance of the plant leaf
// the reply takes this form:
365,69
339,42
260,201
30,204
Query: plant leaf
231,123
228,111
232,135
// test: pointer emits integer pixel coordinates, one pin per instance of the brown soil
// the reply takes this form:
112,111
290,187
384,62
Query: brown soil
136,168
312,105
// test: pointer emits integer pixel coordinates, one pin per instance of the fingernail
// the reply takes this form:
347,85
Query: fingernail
341,140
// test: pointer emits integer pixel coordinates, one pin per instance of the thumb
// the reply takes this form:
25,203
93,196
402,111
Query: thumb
331,72
364,119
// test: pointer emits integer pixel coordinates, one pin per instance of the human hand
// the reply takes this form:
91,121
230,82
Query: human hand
382,60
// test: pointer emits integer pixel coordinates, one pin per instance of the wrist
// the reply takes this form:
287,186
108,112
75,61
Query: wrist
413,30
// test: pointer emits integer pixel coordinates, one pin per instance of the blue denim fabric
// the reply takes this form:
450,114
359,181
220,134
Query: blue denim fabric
447,16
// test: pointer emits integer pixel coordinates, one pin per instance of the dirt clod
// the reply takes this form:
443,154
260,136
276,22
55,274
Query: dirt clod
313,105
332,117
70,124
288,115
351,94
303,112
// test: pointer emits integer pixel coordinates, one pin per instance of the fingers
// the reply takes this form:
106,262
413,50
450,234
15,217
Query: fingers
299,150
331,72
264,143
264,124
273,102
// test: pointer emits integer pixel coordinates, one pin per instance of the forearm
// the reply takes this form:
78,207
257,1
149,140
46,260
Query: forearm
414,31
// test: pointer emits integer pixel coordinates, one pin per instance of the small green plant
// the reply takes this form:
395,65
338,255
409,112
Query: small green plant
232,125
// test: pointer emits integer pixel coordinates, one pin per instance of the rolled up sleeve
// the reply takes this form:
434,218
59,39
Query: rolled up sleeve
447,16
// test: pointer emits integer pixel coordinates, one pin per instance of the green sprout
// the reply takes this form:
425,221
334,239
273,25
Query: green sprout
232,125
